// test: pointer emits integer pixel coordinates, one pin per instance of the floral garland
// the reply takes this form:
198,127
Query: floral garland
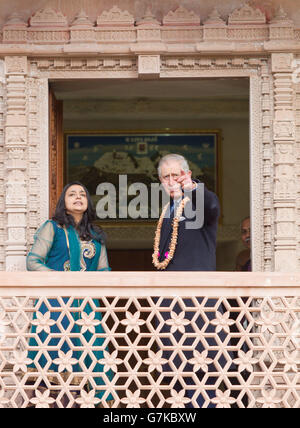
169,254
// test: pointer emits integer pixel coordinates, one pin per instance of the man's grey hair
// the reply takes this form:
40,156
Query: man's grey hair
173,157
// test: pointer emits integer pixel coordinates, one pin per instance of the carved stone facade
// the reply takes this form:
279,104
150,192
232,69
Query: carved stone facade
116,45
16,165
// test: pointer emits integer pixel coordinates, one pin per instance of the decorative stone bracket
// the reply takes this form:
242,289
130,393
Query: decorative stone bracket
116,26
148,66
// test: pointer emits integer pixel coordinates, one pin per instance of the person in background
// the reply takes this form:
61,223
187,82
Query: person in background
243,260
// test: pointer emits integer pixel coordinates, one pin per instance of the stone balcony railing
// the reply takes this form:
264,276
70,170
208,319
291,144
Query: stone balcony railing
169,339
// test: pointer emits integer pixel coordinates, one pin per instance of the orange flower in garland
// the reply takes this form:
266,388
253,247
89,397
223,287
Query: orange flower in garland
170,254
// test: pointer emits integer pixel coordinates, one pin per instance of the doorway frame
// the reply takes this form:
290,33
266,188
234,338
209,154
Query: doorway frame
255,69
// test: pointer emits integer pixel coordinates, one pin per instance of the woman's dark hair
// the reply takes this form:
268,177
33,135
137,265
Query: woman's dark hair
86,229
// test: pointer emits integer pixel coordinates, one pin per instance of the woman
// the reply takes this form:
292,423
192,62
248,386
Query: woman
69,242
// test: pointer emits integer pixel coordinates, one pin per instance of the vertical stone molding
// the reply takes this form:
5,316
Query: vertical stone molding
36,160
297,95
2,163
267,172
285,245
16,165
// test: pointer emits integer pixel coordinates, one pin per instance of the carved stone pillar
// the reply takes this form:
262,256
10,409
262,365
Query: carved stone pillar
16,164
285,244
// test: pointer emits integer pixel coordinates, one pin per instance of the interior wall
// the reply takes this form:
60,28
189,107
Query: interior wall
233,168
234,162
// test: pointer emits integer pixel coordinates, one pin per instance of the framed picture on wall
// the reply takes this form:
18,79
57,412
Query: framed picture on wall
121,159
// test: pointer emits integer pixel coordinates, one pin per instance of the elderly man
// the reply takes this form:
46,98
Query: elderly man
196,246
183,243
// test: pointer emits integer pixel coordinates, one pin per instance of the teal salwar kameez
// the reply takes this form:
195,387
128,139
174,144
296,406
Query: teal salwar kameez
59,249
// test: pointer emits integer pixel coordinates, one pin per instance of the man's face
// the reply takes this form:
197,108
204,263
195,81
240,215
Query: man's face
245,232
170,172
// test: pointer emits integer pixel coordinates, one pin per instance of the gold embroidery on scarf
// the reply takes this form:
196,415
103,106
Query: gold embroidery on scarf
67,266
88,250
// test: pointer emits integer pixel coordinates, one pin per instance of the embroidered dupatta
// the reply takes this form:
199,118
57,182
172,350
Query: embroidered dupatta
51,250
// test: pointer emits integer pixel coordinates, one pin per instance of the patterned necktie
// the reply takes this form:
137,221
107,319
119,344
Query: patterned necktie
174,206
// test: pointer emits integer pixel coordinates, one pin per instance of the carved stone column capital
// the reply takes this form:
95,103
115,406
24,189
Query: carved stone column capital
16,65
282,62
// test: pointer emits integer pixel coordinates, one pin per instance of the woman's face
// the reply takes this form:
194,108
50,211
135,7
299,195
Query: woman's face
76,200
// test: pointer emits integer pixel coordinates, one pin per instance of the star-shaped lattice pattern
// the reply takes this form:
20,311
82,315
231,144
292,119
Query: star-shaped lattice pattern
155,352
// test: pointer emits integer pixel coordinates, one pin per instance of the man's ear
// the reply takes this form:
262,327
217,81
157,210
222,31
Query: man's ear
190,173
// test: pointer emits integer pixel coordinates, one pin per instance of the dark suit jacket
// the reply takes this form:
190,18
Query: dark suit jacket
196,248
195,251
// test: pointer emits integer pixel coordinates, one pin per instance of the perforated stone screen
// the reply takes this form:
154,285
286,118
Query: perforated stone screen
186,347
